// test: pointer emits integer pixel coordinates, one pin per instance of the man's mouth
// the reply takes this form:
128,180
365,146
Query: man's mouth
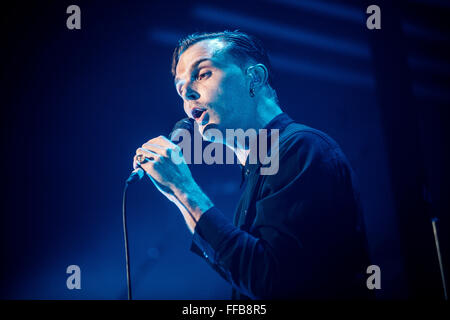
197,112
199,115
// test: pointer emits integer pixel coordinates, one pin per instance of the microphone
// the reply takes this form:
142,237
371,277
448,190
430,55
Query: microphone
185,123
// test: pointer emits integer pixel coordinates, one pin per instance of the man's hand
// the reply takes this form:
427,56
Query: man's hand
171,177
169,172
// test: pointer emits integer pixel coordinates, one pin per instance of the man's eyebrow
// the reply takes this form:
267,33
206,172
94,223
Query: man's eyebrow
195,64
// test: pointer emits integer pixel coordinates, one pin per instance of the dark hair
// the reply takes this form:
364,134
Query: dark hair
241,46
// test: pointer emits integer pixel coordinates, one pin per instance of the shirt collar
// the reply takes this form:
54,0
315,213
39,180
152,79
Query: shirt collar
280,122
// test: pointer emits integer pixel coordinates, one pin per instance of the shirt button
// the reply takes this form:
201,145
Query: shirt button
247,172
245,213
205,255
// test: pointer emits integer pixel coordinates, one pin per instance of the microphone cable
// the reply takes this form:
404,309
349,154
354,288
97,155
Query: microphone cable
125,236
187,124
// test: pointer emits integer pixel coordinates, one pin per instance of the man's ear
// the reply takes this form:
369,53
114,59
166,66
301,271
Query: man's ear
258,74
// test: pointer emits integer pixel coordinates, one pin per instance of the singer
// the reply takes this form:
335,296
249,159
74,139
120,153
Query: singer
297,234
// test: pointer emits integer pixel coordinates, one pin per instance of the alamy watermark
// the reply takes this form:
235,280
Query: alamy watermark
261,146
74,20
374,280
74,280
374,20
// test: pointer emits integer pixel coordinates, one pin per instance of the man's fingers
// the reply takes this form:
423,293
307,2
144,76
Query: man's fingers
139,161
152,150
145,155
161,141
156,148
136,162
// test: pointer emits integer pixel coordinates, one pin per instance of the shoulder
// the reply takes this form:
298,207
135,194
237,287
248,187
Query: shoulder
305,155
305,145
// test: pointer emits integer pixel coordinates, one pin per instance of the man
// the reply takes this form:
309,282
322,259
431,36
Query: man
298,233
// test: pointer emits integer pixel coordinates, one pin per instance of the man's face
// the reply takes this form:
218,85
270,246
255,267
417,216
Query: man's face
213,88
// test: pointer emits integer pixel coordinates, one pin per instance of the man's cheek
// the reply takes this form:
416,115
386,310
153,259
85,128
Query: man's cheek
220,95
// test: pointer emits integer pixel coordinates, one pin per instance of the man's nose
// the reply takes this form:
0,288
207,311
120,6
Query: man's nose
191,94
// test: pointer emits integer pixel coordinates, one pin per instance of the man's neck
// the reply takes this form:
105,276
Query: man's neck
266,112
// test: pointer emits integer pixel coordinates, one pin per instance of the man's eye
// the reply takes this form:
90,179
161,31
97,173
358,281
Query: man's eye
203,75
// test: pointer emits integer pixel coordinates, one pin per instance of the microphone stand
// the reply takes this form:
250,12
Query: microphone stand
125,235
434,221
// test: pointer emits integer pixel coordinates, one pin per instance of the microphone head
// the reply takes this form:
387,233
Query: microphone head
185,123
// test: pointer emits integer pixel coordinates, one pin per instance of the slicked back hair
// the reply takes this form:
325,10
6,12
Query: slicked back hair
242,47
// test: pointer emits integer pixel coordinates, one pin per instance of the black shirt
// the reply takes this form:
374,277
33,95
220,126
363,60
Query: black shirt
297,234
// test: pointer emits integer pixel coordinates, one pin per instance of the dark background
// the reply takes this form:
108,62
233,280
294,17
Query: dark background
77,103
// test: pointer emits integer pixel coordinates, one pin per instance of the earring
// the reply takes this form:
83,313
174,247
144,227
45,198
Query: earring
252,92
